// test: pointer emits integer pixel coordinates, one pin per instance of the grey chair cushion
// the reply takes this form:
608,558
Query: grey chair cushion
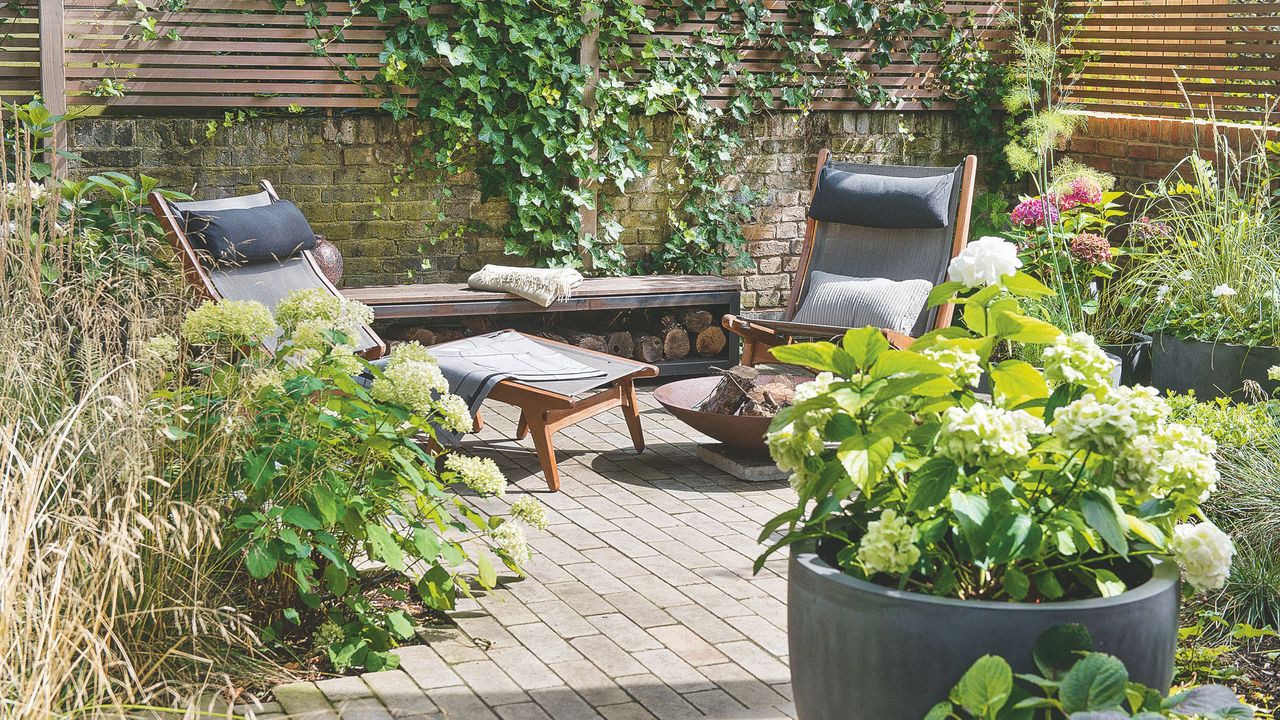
851,302
879,200
275,231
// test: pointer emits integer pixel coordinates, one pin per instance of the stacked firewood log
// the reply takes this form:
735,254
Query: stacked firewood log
651,336
744,390
670,336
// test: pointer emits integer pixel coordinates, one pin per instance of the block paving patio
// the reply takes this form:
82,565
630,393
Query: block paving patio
639,603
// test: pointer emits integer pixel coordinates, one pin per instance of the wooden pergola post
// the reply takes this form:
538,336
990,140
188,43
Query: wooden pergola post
53,75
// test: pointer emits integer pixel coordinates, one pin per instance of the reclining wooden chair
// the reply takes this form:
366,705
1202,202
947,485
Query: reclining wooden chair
886,229
546,405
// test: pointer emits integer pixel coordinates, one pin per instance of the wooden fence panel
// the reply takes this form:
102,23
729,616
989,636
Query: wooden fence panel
1181,57
19,51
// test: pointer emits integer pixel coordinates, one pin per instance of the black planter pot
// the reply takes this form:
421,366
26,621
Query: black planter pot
1210,369
1135,359
859,651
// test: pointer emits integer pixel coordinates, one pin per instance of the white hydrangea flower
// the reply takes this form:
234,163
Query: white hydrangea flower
413,384
1076,359
454,412
1205,554
889,545
988,437
789,445
1273,373
412,350
1175,459
510,537
815,387
985,262
235,321
1224,290
265,378
964,366
160,350
307,315
530,511
479,474
1107,423
37,191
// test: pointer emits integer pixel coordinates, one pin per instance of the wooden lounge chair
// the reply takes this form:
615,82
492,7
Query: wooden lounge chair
545,407
868,252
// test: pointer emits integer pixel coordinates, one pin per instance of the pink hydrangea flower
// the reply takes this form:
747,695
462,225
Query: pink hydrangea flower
1148,229
1034,212
1081,191
1091,248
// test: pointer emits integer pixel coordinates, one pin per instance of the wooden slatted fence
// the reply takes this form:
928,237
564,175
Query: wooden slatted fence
19,50
1177,57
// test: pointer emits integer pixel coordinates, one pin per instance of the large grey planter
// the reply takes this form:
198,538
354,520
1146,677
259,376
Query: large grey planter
1210,369
1135,358
860,651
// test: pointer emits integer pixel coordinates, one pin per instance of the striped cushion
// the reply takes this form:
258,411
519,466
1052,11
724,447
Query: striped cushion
856,302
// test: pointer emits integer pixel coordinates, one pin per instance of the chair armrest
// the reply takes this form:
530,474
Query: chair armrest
748,330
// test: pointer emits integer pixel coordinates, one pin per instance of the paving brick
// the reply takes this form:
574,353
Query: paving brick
427,669
524,668
621,630
657,697
303,700
741,684
458,701
399,693
544,642
490,682
562,618
607,656
687,644
625,711
759,663
593,685
564,704
366,708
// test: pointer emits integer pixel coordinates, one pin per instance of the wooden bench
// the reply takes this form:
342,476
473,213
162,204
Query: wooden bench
451,300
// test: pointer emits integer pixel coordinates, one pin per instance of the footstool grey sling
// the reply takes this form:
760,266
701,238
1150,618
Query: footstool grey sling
545,405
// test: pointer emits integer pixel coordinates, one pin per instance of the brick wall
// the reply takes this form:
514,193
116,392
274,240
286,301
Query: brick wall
348,175
1137,150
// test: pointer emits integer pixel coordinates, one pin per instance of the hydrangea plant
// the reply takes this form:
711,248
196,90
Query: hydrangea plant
1057,486
325,471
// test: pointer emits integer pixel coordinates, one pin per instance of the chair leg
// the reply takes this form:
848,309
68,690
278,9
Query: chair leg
546,452
478,425
522,427
631,412
748,352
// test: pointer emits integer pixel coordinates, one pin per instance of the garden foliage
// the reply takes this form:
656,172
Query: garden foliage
1056,489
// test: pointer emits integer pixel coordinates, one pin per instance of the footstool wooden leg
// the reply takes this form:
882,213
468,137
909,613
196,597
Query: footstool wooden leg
546,452
631,412
522,427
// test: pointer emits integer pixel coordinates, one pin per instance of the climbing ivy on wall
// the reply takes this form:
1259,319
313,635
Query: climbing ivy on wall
502,91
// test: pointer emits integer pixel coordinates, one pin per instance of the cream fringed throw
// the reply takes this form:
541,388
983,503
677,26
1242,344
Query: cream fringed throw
540,285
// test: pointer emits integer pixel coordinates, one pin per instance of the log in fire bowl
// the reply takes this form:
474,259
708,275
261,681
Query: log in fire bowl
741,450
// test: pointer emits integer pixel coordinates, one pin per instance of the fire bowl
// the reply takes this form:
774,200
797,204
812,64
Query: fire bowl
743,433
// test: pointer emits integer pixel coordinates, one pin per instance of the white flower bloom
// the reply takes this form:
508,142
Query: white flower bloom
1105,424
160,350
1185,276
528,510
1175,459
1076,359
455,413
36,191
510,537
987,437
309,315
479,474
815,387
984,262
1273,373
1161,293
790,446
413,384
1205,553
965,366
889,545
411,350
1223,290
235,321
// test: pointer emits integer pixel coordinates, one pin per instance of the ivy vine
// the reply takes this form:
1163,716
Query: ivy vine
500,89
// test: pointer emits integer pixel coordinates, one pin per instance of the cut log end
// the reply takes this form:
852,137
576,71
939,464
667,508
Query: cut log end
675,344
710,342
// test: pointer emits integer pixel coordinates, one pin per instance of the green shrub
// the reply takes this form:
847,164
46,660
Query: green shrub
1232,425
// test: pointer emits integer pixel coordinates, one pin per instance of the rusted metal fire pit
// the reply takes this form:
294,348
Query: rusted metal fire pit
742,433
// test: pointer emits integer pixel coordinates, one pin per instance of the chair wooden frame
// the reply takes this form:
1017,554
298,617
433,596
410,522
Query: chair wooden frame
542,412
760,335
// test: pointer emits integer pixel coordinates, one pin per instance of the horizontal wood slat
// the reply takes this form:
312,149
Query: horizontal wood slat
1159,57
19,51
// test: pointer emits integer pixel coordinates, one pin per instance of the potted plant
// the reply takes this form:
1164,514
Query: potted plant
1208,273
933,527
